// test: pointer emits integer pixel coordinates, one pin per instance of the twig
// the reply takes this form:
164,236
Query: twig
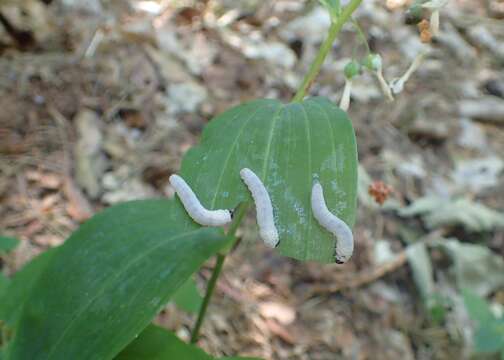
363,278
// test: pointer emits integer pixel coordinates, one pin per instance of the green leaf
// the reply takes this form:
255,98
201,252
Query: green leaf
7,244
187,297
287,146
475,267
109,279
421,267
477,307
333,6
437,306
489,335
4,283
488,339
156,343
20,287
16,293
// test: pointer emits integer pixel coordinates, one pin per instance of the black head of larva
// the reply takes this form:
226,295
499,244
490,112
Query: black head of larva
231,213
339,259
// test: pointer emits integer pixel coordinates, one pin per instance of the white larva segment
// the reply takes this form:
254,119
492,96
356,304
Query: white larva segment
194,208
333,224
264,209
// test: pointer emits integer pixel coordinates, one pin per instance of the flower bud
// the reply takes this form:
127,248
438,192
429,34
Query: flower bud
373,62
352,69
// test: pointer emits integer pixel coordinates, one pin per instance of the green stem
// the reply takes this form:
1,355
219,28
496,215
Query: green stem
361,35
238,217
206,300
325,48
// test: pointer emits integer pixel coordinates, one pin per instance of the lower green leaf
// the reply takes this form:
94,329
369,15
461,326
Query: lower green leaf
4,283
7,244
477,307
109,279
156,343
187,297
20,286
489,334
488,339
16,292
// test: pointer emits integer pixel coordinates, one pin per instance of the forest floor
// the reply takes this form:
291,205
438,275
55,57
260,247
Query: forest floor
100,100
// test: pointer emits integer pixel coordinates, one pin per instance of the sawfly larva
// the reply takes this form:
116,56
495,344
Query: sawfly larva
344,238
264,209
194,208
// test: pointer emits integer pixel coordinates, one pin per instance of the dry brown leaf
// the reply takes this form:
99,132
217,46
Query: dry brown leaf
260,290
48,202
78,207
46,180
396,4
280,331
33,228
260,337
345,339
283,313
48,240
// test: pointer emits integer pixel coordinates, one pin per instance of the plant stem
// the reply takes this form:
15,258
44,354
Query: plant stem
361,35
208,295
325,48
238,217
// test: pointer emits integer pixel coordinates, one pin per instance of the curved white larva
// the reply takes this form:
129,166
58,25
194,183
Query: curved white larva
336,226
264,209
194,208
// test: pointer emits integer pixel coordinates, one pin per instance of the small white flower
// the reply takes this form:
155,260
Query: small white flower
345,98
384,86
434,6
397,85
352,70
374,63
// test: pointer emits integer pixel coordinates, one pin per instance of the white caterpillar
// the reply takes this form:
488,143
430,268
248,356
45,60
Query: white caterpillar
336,226
194,208
264,209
